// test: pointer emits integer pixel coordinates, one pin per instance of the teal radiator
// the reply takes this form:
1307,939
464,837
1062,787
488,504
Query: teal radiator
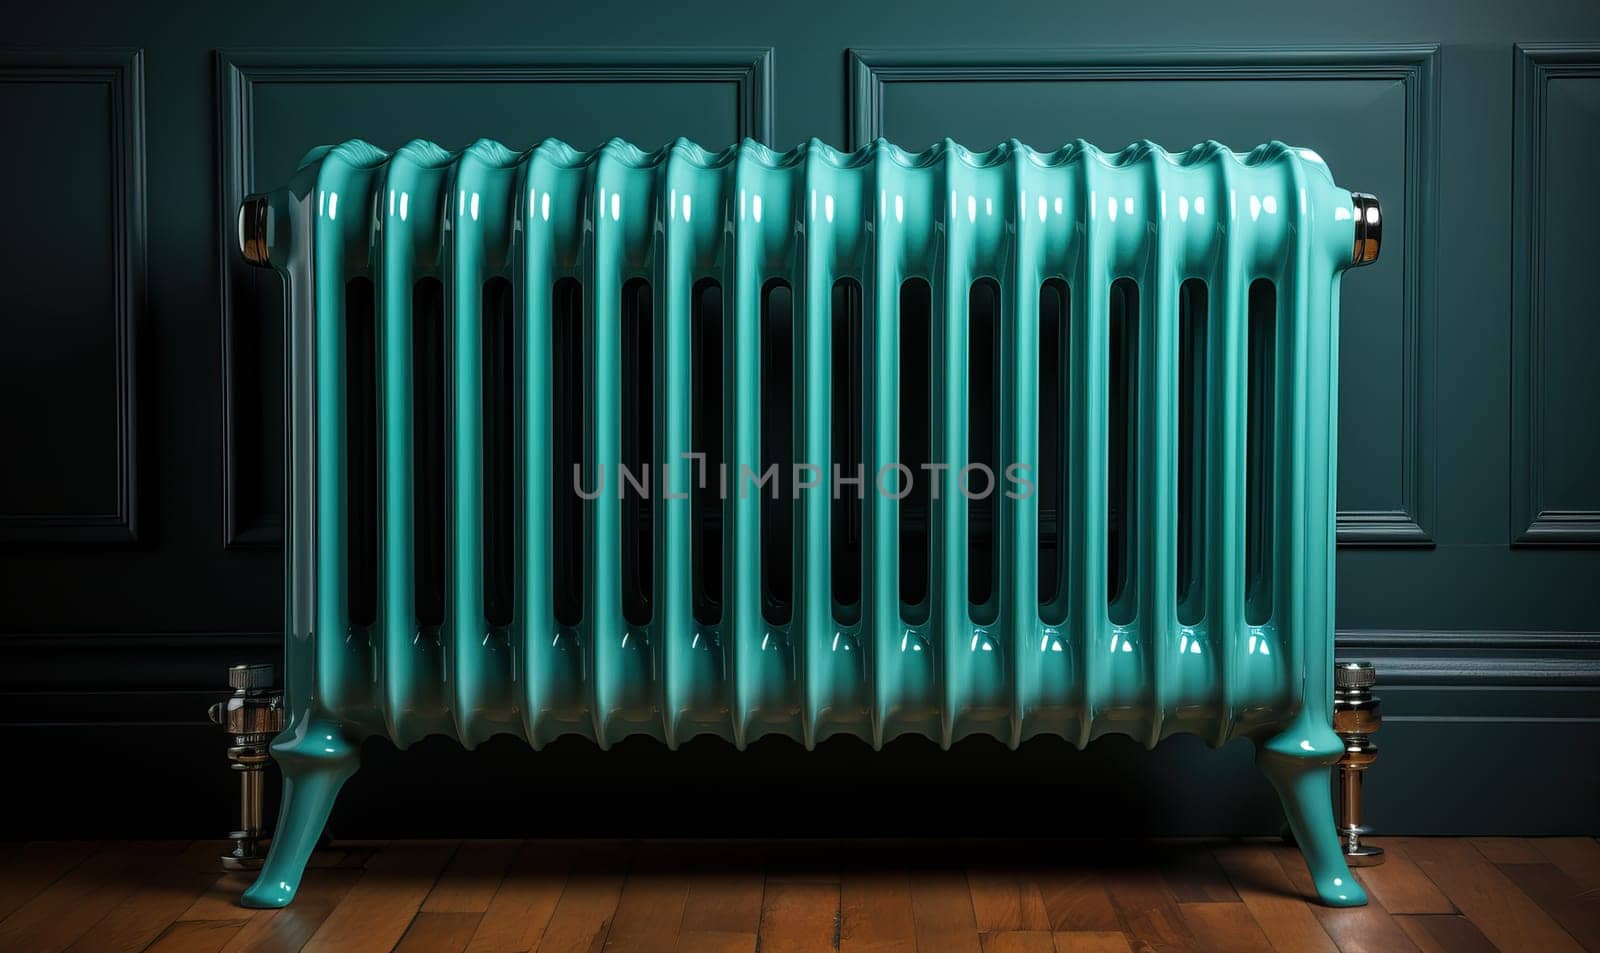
1051,437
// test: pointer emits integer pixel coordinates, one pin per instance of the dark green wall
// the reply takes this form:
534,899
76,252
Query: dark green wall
140,376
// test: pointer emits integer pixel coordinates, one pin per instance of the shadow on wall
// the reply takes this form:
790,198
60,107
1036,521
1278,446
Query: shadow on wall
773,789
706,789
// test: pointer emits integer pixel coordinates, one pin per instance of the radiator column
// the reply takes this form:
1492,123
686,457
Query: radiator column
813,612
1090,286
1157,480
556,670
966,687
410,666
880,365
1017,537
743,624
622,694
675,257
345,657
485,176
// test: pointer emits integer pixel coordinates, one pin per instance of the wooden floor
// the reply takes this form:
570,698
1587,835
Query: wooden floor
1434,894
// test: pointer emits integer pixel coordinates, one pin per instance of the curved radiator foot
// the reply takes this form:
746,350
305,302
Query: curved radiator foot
1299,763
316,761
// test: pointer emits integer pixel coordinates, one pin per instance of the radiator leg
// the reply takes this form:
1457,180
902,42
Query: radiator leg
316,761
1299,763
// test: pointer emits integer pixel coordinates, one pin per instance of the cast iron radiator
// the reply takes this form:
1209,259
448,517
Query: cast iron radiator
746,443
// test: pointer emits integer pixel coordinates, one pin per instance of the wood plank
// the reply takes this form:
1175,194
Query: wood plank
1146,907
1279,910
875,912
941,909
473,877
715,942
1400,885
1487,897
725,894
1433,933
1353,929
356,854
1564,899
374,915
650,910
332,857
69,907
1019,941
710,898
524,902
1006,900
288,929
439,933
799,917
594,887
1577,857
1092,941
197,936
1077,902
164,891
1225,926
220,901
1193,876
1507,850
30,868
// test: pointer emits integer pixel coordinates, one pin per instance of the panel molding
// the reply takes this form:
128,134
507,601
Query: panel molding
1415,66
121,71
1533,523
240,71
1553,660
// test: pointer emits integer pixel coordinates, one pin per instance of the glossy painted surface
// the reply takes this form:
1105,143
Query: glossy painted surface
814,215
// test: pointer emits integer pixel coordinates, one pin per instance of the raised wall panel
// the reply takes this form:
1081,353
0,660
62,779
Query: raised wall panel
1370,111
73,275
274,106
1555,441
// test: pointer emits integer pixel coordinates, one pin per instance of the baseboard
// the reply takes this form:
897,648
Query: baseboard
1529,701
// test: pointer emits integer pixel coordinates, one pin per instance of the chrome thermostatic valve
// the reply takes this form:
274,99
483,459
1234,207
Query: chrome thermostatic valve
253,214
1355,718
253,715
1369,229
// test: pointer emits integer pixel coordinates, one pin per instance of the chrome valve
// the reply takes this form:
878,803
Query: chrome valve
1368,217
1355,718
253,715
